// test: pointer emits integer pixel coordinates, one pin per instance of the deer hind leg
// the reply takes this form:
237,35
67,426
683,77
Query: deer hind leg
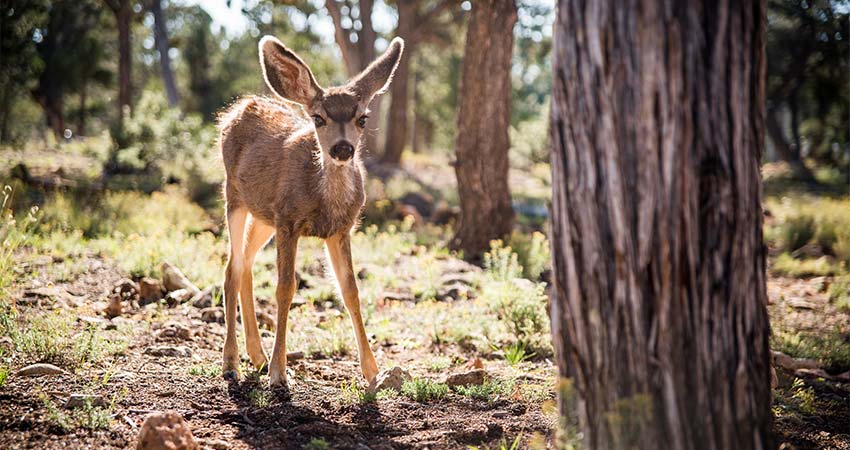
236,217
256,236
286,241
339,252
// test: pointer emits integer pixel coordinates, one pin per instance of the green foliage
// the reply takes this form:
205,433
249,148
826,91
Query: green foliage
501,263
424,390
317,444
503,444
805,396
517,353
207,370
14,233
489,391
797,232
87,416
831,351
532,253
4,374
351,393
260,397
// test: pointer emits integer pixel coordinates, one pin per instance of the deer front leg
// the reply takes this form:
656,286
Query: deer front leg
232,277
339,251
287,244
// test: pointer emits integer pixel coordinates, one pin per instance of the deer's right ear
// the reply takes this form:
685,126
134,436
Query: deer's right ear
285,73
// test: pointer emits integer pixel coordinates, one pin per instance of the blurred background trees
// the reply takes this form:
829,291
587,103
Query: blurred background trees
76,69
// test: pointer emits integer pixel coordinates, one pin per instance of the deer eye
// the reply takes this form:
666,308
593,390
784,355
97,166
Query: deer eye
318,120
361,122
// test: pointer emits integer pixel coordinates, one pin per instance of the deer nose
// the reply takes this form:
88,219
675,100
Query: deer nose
342,151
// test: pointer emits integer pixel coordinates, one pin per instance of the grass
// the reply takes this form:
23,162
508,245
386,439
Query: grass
317,444
831,351
206,370
259,397
503,444
424,390
489,391
351,393
87,416
517,353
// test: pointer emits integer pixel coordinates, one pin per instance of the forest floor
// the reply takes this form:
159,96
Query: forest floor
426,311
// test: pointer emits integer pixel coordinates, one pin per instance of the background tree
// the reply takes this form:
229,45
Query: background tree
163,45
483,121
659,308
123,11
418,22
808,83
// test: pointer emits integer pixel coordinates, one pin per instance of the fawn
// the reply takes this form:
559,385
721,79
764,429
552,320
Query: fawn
293,169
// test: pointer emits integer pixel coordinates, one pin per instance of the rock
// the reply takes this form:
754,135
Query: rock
423,204
474,364
294,356
500,414
113,308
173,279
455,291
445,215
150,291
217,444
390,379
79,400
799,303
36,370
174,330
178,296
471,378
176,351
390,296
204,299
212,314
166,431
266,320
126,289
787,362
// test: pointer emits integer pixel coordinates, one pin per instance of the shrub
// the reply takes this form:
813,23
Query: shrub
423,390
532,253
798,231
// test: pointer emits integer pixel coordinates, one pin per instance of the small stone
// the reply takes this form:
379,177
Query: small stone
474,364
177,351
500,414
79,400
177,297
389,296
217,444
204,299
35,370
126,289
294,356
390,379
455,291
266,320
173,279
212,314
471,378
166,431
113,308
174,330
150,291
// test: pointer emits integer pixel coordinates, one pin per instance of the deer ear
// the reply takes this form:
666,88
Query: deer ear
285,73
376,78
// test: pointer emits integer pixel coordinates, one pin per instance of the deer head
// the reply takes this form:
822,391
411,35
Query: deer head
339,113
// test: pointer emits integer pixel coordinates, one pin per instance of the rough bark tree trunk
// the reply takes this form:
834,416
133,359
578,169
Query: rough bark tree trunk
483,119
659,305
399,90
161,38
123,11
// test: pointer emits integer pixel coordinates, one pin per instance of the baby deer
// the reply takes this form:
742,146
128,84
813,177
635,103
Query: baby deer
294,170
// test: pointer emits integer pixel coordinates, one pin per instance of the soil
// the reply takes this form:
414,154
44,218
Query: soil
221,413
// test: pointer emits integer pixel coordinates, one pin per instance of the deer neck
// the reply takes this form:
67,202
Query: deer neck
340,185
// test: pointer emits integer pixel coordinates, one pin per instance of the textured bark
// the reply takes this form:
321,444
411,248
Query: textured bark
483,119
123,11
161,38
658,310
399,90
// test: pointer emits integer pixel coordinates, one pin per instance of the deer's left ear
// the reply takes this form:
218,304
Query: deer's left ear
376,78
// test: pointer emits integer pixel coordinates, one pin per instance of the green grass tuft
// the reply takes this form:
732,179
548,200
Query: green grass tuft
424,390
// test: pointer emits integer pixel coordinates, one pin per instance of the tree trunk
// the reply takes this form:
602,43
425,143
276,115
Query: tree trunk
162,45
784,150
483,119
397,116
123,14
81,120
659,305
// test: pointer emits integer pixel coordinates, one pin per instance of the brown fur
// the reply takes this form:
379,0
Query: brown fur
281,180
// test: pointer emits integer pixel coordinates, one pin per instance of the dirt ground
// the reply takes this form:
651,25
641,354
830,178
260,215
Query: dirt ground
228,414
242,414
